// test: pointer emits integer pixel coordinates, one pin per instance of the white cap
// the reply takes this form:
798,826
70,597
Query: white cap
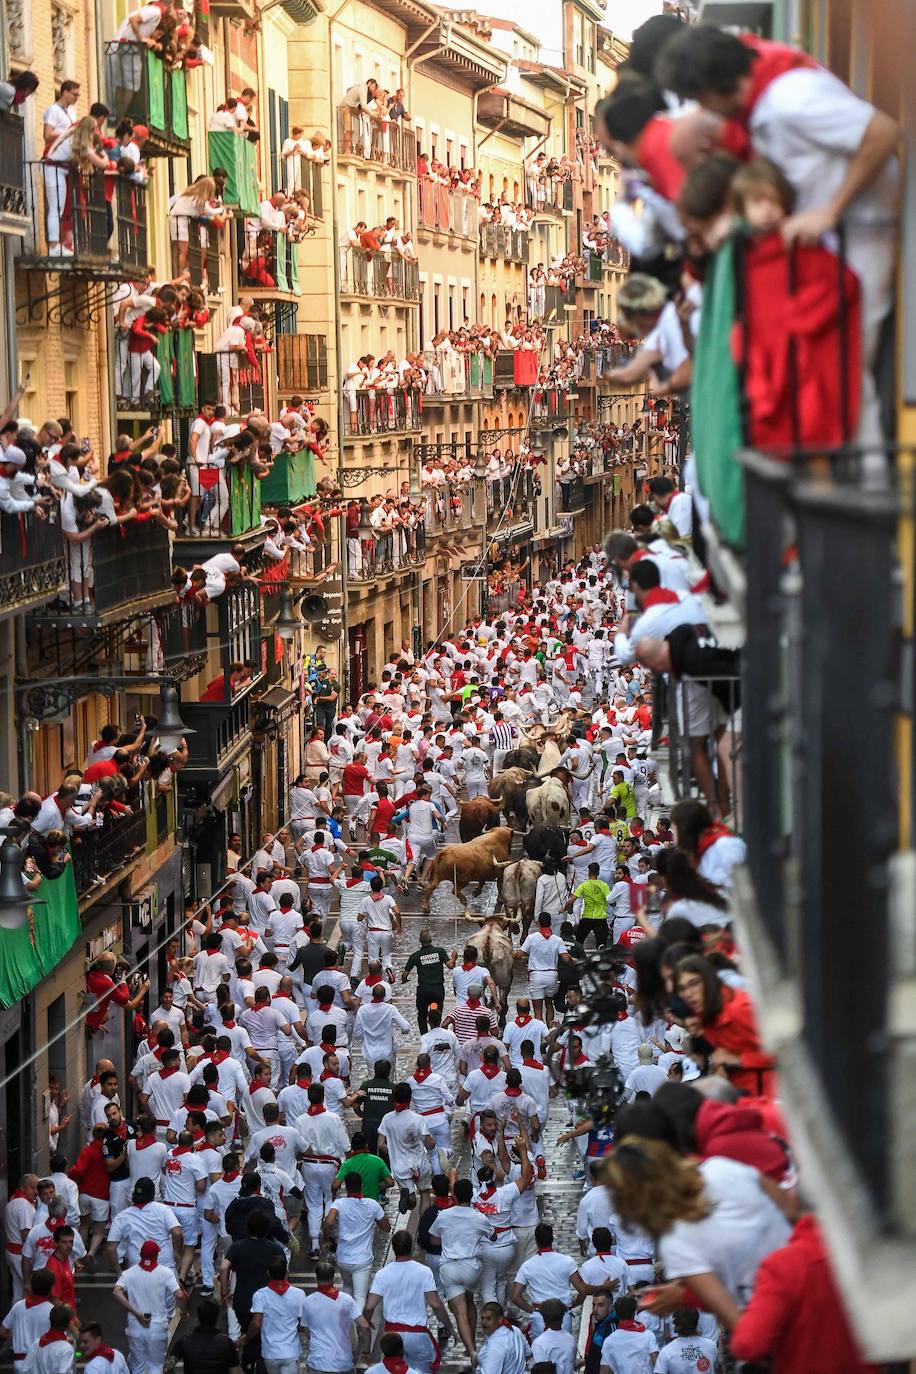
14,456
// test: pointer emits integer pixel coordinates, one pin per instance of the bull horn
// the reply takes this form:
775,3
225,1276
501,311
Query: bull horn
503,863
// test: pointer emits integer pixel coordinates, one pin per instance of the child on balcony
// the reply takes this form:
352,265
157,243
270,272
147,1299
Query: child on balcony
798,341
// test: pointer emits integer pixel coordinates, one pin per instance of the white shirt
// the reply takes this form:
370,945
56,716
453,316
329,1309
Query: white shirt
281,1315
547,1275
26,1324
543,953
167,1090
462,979
329,1322
356,1222
743,1227
461,1231
600,1268
146,1162
326,1134
556,1347
629,1352
443,1049
505,1352
403,1133
720,858
182,1170
54,1358
286,1141
647,1078
684,1355
134,1225
375,1024
152,1291
403,1286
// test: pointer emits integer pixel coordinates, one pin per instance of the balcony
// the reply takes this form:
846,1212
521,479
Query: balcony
593,276
239,158
455,376
122,570
222,722
196,249
515,495
302,174
378,276
13,212
551,199
98,854
105,239
451,508
550,410
572,496
389,553
268,262
359,136
182,635
515,367
32,568
178,378
230,379
502,243
140,87
290,480
388,413
616,257
442,210
302,364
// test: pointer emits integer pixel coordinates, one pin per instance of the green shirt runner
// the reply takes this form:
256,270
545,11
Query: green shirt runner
594,894
430,961
370,1168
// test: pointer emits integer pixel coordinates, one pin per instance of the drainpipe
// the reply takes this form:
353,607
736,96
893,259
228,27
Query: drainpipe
20,667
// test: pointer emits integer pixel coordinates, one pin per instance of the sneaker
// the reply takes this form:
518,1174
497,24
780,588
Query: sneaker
578,1176
407,1200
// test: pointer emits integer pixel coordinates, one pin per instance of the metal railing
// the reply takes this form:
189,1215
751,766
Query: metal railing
458,376
572,494
386,276
229,378
121,565
99,235
549,405
386,551
141,87
384,412
440,207
502,242
196,248
359,135
452,506
31,557
267,259
220,728
552,196
303,174
302,363
182,631
711,704
12,165
101,851
515,367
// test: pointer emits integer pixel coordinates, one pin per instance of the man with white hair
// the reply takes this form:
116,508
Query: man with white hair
647,1077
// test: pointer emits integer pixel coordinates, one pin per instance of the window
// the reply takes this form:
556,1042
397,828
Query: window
72,408
436,308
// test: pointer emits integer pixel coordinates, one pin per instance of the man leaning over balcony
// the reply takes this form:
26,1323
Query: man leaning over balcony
356,102
57,812
837,151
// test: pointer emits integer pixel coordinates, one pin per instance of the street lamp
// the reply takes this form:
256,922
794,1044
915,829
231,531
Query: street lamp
287,622
15,898
170,728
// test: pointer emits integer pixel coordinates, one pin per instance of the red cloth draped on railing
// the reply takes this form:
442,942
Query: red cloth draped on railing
525,367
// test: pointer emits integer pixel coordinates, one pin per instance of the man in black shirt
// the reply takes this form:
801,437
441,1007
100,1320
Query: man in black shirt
206,1350
375,1097
310,957
430,961
248,1203
249,1260
114,1152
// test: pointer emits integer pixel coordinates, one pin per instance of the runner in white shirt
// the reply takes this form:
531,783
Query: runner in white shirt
382,918
327,1144
405,1289
375,1024
286,1140
442,1047
408,1142
523,1027
544,951
165,1091
356,1220
689,1352
548,1274
277,1312
144,1220
185,1178
505,1350
461,1230
265,1024
330,1317
148,1290
631,1348
25,1322
322,868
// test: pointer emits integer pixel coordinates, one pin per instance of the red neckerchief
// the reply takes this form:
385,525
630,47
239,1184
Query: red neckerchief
547,1250
583,1058
395,1364
708,837
230,1175
532,1064
103,1352
473,1004
33,1300
214,951
773,60
402,1106
218,1056
328,1290
490,1070
303,1080
354,882
512,1092
52,1223
19,1193
630,1326
546,931
229,1025
167,1073
325,1075
659,596
523,1020
325,1007
316,1109
372,979
149,1265
467,967
181,1150
443,1203
421,1074
278,1285
50,1336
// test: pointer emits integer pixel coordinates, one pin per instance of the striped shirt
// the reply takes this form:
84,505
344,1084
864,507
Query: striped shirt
502,735
464,1020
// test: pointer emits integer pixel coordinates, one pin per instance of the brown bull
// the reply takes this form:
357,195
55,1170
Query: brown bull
476,816
479,861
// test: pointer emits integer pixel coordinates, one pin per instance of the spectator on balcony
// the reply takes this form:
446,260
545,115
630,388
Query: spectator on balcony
196,203
142,337
355,108
244,112
58,811
16,90
224,570
240,676
381,119
16,497
58,121
224,119
79,148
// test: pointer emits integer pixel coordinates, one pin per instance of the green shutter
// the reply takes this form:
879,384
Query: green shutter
184,357
30,954
156,74
715,407
165,352
179,105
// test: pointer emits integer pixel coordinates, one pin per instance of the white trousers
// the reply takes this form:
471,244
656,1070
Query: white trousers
497,1262
55,179
476,785
147,1351
139,361
380,942
318,1179
356,1281
320,895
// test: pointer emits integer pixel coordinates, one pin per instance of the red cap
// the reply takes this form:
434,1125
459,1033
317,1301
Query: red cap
141,133
149,1254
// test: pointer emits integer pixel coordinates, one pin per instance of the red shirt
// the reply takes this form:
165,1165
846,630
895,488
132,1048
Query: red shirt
105,768
89,1171
735,1030
384,810
99,984
64,1289
216,690
353,777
